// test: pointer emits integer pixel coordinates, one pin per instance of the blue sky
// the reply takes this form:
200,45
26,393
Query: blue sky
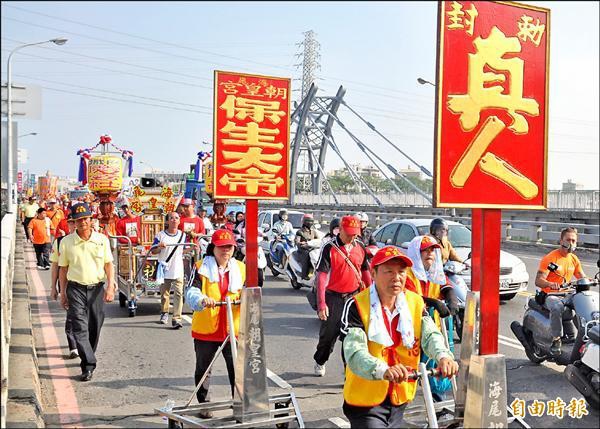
167,51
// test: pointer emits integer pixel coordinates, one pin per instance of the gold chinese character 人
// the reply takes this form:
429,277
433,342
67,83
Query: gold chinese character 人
518,407
257,110
577,408
252,180
529,30
537,408
457,19
483,91
556,408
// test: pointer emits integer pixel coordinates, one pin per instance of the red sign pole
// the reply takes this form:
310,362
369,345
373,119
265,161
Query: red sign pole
490,280
476,248
252,243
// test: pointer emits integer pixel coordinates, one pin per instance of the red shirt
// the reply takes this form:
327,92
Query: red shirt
392,329
342,278
129,227
194,224
221,333
63,226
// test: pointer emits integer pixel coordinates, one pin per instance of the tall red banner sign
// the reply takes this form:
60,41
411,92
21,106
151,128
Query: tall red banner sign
492,105
251,136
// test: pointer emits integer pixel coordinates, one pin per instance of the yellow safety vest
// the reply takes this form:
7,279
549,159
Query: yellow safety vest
433,291
206,322
361,392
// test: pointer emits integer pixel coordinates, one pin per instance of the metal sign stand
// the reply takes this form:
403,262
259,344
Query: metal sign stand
252,405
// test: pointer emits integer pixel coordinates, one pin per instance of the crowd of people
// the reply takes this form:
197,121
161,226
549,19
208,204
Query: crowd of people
375,304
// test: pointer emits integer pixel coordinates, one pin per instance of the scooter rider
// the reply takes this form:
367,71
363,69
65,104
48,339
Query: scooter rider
303,236
282,228
439,229
366,234
550,281
334,230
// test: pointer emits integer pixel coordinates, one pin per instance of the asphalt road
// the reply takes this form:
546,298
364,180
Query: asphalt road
142,364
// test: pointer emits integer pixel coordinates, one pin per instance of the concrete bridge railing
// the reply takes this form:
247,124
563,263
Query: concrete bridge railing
6,273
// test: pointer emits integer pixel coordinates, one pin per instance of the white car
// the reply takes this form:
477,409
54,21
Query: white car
514,277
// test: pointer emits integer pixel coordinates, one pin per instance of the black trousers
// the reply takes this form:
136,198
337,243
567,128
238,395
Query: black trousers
71,341
205,352
86,311
25,225
384,415
42,254
303,257
330,328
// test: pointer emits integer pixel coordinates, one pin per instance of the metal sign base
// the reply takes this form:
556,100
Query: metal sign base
283,409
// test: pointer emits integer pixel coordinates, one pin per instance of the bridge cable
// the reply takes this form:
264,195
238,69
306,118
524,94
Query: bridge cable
357,179
370,125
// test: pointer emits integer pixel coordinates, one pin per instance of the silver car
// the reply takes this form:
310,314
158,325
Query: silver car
513,273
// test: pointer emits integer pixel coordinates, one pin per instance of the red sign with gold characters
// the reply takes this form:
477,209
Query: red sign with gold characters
492,105
251,136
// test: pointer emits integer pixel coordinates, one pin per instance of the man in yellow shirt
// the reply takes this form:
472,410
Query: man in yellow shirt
85,261
28,212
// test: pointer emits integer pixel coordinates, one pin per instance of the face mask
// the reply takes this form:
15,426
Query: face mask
570,247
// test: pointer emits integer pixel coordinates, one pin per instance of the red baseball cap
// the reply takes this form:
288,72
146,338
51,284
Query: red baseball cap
389,252
186,202
351,225
222,237
427,242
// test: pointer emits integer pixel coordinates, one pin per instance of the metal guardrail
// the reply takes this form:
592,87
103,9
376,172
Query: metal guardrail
527,231
7,271
584,200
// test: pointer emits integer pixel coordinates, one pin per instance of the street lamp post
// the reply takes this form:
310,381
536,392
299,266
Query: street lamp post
11,185
424,81
28,134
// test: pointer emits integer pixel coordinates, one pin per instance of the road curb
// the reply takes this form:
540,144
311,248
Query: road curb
24,408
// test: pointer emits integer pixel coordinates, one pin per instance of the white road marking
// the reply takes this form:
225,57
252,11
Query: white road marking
512,340
514,346
278,380
339,422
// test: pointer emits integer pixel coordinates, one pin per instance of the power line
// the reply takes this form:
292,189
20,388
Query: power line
112,70
124,101
116,93
104,29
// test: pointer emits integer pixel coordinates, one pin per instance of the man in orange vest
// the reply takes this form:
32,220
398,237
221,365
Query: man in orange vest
384,328
557,267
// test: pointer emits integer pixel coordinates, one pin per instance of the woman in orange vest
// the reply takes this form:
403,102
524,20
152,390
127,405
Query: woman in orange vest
384,328
219,276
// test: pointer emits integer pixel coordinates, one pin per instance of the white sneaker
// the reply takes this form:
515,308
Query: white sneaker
319,370
164,318
73,354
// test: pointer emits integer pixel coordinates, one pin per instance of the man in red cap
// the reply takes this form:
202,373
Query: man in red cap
219,276
383,331
342,271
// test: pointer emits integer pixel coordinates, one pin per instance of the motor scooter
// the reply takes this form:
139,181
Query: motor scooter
453,269
584,374
280,241
293,268
580,314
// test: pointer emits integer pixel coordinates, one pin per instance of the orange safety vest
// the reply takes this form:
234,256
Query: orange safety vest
361,392
206,322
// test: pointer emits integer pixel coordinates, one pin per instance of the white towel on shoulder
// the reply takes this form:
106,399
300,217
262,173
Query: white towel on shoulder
210,270
378,332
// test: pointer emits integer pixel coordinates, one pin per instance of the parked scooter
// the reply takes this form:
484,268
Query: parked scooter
584,374
294,267
535,334
284,242
453,269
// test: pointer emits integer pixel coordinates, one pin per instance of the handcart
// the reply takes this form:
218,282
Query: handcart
283,408
136,272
